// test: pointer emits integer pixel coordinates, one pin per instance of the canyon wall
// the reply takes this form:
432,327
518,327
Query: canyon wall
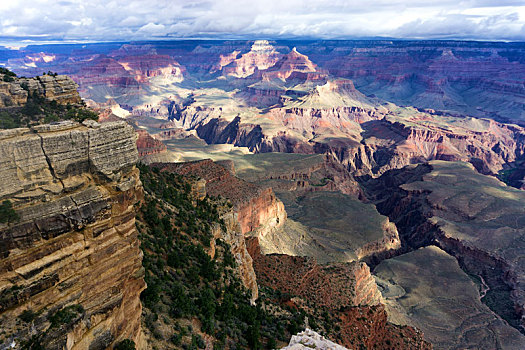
70,264
60,88
475,218
257,208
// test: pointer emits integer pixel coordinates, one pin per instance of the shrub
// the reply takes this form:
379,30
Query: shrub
8,121
27,316
7,213
66,315
126,344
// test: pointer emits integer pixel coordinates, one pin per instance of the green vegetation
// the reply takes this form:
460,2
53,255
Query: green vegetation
38,110
27,316
8,75
66,315
9,121
185,283
126,344
7,213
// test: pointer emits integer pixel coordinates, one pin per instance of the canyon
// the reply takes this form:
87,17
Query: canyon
355,179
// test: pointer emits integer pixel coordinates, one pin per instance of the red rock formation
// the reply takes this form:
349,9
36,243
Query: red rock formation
347,290
286,65
261,56
333,286
257,208
144,67
147,145
368,326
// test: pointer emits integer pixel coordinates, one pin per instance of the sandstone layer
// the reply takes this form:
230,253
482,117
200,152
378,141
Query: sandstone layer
74,250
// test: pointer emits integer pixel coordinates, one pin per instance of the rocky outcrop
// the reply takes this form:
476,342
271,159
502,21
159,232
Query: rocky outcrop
257,208
234,236
347,291
147,145
261,56
309,339
145,67
368,327
286,65
71,263
60,89
333,286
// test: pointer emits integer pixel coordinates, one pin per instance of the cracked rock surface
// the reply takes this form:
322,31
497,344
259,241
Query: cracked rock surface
74,187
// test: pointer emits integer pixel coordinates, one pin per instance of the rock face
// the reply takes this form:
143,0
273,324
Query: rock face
309,339
333,286
61,89
234,236
261,56
147,145
257,208
74,250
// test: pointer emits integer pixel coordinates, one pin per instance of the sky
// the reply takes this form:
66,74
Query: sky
127,20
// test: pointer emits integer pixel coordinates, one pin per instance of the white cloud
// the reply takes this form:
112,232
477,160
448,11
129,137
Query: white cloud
135,19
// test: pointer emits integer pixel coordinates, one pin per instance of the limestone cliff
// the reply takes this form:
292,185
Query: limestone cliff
59,88
70,267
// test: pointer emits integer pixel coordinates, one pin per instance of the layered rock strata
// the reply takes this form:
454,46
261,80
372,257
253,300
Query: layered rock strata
70,266
60,88
257,208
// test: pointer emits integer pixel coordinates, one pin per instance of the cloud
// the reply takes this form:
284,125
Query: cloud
97,20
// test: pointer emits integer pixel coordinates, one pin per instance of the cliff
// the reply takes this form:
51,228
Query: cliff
344,294
70,266
60,88
147,145
257,208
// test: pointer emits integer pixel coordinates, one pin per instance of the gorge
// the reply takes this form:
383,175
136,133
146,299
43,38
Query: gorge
262,194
